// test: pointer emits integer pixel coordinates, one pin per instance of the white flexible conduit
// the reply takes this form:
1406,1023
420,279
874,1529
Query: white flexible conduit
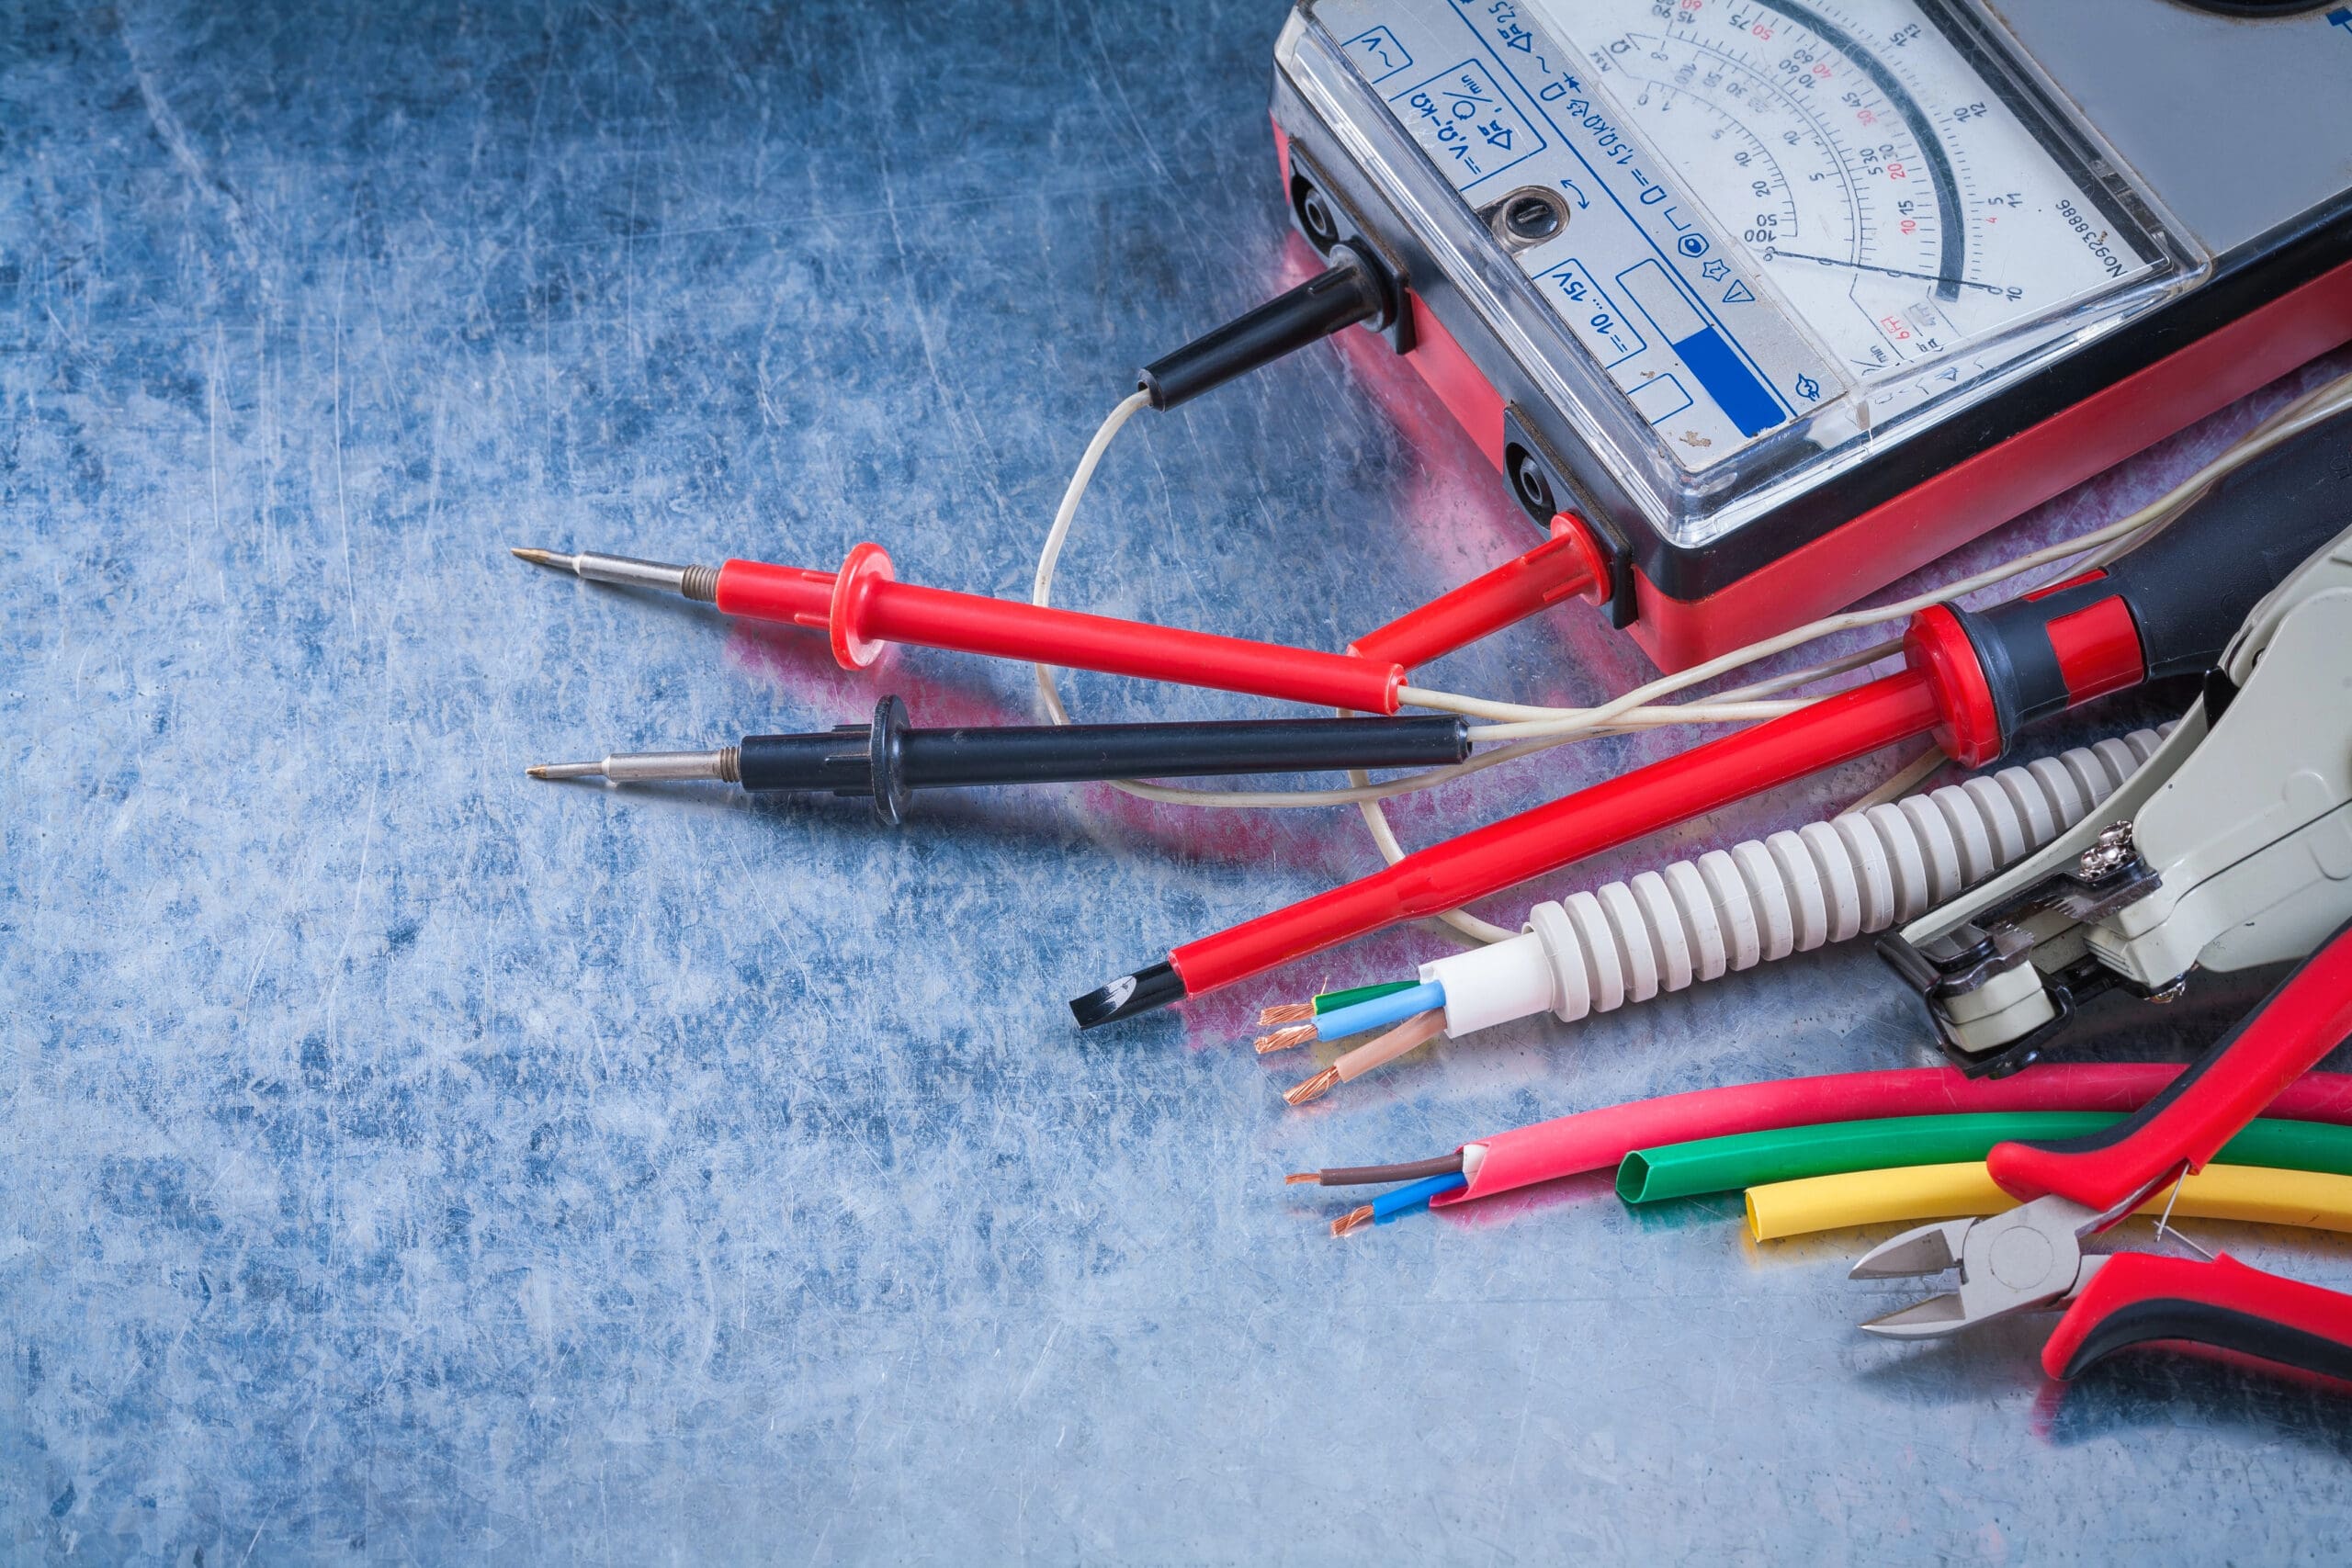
1829,881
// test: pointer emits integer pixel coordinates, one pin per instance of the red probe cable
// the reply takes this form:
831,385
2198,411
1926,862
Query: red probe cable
2168,607
862,607
1934,694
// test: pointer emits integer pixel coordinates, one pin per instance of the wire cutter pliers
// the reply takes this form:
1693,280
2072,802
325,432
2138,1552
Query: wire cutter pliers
2032,1256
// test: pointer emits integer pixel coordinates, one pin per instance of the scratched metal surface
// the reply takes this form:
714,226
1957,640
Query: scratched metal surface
404,1161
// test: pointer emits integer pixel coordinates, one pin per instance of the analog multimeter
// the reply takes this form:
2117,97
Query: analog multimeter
1783,299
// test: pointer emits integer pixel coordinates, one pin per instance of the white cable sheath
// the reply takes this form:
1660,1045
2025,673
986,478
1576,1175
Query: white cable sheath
1789,893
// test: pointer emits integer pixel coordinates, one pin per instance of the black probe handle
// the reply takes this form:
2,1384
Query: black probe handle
888,759
2173,603
936,758
1350,292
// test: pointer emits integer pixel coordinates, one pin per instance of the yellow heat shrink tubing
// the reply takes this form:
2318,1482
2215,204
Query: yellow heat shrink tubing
2312,1200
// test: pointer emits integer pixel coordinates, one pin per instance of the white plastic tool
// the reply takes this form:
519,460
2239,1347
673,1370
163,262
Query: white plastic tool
2231,849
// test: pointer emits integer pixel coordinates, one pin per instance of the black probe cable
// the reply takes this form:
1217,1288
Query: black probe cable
887,760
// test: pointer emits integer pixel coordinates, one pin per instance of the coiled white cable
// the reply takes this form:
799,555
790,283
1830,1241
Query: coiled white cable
1763,899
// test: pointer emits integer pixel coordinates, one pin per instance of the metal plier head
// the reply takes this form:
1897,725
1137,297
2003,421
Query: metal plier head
2030,1257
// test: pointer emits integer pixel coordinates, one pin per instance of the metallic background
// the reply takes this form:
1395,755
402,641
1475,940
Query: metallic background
403,1160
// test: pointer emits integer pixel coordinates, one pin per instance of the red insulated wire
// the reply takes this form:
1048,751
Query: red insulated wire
862,607
1447,875
1595,1140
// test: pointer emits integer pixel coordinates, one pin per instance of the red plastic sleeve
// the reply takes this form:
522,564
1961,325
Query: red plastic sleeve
760,592
863,607
1567,565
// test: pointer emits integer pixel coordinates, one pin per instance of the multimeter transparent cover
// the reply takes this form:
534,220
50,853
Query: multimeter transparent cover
1766,239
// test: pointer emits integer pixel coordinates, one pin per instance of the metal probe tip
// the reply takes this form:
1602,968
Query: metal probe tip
694,582
722,766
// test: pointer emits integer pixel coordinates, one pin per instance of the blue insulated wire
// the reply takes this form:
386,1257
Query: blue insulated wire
1413,1194
1379,1012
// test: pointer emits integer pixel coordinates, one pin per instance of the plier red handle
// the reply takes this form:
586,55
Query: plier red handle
2033,1257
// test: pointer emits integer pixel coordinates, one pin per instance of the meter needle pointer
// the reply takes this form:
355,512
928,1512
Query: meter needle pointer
1774,253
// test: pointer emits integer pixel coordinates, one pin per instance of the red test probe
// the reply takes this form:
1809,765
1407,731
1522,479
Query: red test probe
1568,565
1973,679
862,607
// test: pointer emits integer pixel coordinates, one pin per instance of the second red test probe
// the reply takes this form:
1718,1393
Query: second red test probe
1568,565
1973,679
863,607
887,760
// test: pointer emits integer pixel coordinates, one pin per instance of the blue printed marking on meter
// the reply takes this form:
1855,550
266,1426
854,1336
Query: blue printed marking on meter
1742,396
1377,51
1721,385
1604,328
1746,401
1462,118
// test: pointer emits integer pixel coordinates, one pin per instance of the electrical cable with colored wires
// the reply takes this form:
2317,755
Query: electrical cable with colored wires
1908,1195
1388,1205
1599,1138
1361,1017
1697,920
1529,729
1748,1160
1326,1001
1410,1036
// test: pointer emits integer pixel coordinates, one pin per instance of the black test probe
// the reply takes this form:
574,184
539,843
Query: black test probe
887,760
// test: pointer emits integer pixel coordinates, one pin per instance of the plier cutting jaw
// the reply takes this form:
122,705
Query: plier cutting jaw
2033,1257
2029,1257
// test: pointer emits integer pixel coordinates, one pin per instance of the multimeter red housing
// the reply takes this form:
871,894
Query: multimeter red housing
1785,299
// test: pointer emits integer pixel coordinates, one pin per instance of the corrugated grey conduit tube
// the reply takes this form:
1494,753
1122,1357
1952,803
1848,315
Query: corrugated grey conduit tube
1791,892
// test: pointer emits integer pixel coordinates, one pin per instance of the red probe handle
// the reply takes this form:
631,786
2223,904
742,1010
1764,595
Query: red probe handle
2308,1016
864,608
1568,564
1447,875
2140,1297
